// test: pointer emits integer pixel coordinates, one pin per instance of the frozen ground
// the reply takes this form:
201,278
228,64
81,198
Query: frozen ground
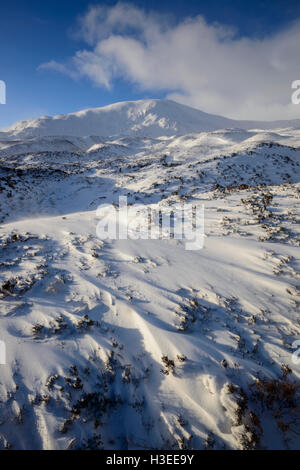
132,344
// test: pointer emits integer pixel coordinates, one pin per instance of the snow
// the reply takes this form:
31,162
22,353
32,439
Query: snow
128,344
149,118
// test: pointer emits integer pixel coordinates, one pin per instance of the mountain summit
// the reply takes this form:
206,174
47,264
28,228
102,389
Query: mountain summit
149,118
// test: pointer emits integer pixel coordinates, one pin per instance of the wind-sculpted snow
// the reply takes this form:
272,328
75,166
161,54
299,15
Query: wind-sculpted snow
127,344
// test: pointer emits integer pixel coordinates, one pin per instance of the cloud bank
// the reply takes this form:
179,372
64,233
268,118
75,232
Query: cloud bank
207,66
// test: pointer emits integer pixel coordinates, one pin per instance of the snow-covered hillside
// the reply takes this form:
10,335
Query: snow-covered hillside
128,344
148,118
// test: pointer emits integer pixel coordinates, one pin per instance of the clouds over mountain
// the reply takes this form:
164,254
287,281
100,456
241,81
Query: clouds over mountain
209,66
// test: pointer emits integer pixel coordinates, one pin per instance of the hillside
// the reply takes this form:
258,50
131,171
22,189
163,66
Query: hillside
149,118
135,343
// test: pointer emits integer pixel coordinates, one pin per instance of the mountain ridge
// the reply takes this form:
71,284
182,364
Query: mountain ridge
150,118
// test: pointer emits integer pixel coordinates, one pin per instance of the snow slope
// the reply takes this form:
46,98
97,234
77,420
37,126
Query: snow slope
128,344
150,118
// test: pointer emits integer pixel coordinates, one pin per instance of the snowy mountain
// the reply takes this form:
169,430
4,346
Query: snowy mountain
149,118
134,343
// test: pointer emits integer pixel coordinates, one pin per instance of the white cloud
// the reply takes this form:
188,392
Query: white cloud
61,68
203,65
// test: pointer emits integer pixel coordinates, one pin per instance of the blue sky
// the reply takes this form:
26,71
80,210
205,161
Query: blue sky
34,33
